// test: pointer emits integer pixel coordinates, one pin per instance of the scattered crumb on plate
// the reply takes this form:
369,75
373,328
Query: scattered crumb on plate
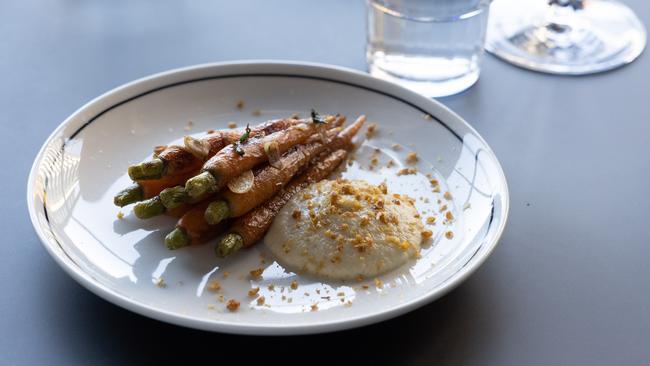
256,273
253,292
214,286
233,305
370,132
260,300
412,157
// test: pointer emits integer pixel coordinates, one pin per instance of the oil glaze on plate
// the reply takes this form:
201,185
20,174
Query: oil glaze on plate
83,163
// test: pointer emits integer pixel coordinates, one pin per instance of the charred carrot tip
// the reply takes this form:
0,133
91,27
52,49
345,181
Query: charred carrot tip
152,169
176,239
216,212
229,245
200,185
128,195
173,197
149,208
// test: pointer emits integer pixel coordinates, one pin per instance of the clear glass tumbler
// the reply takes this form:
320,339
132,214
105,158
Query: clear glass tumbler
433,47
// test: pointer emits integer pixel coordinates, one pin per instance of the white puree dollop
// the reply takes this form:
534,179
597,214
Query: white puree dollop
346,230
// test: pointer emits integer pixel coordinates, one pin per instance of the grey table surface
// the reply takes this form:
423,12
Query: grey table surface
569,283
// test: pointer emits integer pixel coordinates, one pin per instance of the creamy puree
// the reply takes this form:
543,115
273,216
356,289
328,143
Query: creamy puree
346,230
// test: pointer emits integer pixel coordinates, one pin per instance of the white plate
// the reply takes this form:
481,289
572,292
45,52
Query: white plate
82,165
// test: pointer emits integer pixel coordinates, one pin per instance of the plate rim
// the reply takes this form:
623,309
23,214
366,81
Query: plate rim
219,325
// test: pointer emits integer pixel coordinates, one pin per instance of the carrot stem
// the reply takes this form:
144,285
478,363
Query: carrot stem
229,244
177,239
149,208
152,169
216,212
129,195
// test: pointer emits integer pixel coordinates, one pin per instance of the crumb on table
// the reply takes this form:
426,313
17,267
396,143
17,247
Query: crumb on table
240,104
232,125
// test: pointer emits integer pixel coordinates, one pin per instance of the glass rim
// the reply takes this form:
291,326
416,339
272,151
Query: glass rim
461,14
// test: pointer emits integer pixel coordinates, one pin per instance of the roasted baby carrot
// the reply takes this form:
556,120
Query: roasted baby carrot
192,229
248,229
266,183
179,160
233,160
146,189
173,197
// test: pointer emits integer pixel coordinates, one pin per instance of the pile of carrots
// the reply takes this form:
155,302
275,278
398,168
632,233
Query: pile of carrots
232,183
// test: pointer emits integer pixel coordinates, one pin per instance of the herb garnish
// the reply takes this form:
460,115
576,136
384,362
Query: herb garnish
242,139
317,118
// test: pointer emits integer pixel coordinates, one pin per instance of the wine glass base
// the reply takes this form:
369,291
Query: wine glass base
603,35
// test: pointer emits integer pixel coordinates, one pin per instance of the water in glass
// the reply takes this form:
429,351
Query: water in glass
431,46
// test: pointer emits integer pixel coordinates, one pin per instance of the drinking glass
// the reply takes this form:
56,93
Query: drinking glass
565,36
433,47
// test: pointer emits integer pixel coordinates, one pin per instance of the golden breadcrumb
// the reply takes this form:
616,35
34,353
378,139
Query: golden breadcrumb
412,157
256,273
407,171
214,286
253,292
233,305
370,132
